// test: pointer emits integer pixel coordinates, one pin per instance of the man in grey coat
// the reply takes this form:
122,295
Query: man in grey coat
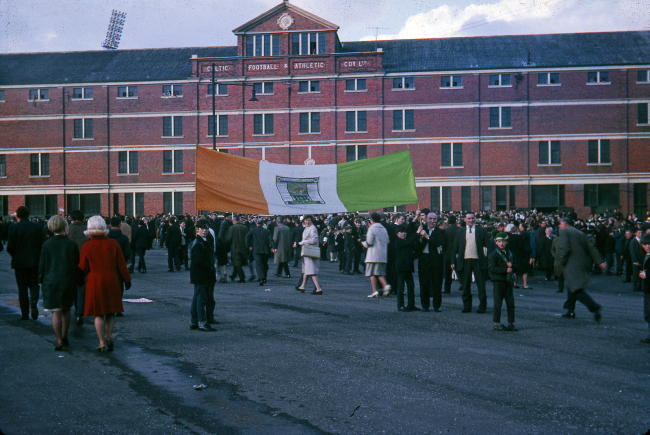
282,246
574,258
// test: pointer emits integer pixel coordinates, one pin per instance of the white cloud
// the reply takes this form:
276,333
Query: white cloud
525,17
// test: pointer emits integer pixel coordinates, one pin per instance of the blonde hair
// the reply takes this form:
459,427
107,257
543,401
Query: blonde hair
57,224
96,227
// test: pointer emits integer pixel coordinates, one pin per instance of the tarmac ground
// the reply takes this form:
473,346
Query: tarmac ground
282,362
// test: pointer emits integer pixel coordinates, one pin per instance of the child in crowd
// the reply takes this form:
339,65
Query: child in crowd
404,267
501,266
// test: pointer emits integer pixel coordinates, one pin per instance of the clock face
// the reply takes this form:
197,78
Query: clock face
285,21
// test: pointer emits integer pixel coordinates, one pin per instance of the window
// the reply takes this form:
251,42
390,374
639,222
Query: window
403,120
452,155
128,204
221,89
89,204
263,124
466,198
42,205
222,125
502,197
602,195
308,43
546,197
446,198
486,197
598,77
404,83
39,94
500,80
2,95
173,162
82,94
355,152
39,165
355,85
262,88
263,45
640,198
451,82
4,205
127,162
310,122
173,202
513,196
172,90
356,121
309,86
127,92
548,79
549,152
435,198
500,117
642,111
3,165
643,76
172,126
599,152
83,129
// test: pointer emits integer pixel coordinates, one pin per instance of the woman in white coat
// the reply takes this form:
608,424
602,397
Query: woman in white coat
310,265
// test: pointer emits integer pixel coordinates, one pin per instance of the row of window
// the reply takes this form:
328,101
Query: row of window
301,44
305,86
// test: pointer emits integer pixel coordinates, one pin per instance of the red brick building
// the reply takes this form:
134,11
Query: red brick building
500,122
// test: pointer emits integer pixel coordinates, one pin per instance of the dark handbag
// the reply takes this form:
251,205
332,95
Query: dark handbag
311,251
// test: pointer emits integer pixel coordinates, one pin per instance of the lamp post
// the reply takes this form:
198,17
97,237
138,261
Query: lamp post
214,106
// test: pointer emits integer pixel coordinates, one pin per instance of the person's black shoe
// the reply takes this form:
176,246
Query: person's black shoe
212,322
301,290
501,327
278,275
206,328
645,340
80,320
466,310
401,309
178,268
569,315
598,315
252,278
316,292
415,309
437,310
425,309
193,327
25,317
119,314
34,312
287,276
627,280
512,328
232,277
170,270
447,291
480,311
187,268
261,282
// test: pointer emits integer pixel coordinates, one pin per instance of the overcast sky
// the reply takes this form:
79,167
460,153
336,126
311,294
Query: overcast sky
74,25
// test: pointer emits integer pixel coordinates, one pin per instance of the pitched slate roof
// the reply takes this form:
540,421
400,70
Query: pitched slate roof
520,51
104,66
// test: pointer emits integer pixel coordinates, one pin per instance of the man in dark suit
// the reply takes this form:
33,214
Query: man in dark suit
296,233
470,252
447,251
258,241
636,255
24,241
173,240
431,263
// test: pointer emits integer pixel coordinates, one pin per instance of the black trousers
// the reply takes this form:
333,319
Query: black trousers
141,264
28,288
447,276
430,278
582,296
470,266
405,277
357,257
283,266
238,271
503,290
261,265
296,255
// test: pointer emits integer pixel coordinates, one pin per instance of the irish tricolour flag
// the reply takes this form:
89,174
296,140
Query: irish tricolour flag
237,184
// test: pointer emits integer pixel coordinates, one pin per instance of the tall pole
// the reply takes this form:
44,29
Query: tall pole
214,123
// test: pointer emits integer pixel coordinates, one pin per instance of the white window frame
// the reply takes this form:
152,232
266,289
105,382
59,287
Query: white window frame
262,86
173,118
356,152
402,86
309,83
309,41
647,77
500,85
310,117
356,121
598,78
40,94
264,118
451,157
83,94
3,166
549,147
548,79
451,82
501,126
40,165
128,163
217,86
356,85
600,153
647,121
173,168
170,94
218,126
129,90
83,129
403,120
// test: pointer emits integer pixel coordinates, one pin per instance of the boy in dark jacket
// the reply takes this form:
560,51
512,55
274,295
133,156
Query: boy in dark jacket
348,249
203,276
404,267
501,265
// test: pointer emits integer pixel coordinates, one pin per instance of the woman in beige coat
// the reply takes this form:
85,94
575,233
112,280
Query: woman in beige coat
310,265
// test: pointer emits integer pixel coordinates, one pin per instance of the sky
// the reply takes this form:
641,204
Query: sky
80,25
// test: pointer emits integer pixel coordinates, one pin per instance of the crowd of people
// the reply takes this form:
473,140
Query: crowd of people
88,264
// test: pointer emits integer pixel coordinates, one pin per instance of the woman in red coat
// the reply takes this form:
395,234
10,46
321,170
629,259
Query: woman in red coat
102,260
